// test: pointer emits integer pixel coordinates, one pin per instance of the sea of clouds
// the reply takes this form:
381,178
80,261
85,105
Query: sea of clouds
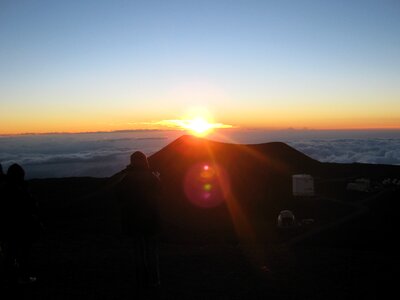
84,154
374,151
104,154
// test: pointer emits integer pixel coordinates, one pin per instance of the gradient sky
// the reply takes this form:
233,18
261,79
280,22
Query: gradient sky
110,65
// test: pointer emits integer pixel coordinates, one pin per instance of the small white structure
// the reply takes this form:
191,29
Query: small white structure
391,181
360,185
286,219
303,185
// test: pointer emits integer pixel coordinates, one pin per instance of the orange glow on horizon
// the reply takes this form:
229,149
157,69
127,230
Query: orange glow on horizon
197,125
93,129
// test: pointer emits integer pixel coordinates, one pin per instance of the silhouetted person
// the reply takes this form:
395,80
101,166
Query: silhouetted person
2,243
19,223
2,176
138,194
2,183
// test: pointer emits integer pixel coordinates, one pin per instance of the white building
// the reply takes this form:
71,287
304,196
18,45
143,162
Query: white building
303,185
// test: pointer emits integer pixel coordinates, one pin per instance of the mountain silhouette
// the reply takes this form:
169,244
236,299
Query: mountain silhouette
259,178
256,175
276,155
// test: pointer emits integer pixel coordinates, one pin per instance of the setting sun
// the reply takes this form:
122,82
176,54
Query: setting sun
199,126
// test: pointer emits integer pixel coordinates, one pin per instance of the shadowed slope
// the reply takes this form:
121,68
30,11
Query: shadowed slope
277,156
260,182
258,175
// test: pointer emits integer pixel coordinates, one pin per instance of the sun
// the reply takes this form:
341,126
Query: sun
199,126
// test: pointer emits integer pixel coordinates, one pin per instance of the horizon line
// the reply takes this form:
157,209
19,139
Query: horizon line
178,129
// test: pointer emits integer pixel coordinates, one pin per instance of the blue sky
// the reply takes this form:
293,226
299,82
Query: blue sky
100,59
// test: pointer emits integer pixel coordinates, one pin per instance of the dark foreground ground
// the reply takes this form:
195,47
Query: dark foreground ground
82,256
101,267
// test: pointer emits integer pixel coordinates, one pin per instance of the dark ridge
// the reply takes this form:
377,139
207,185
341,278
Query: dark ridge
276,154
259,176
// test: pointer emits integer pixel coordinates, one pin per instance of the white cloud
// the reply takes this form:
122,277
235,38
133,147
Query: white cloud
59,155
103,154
375,151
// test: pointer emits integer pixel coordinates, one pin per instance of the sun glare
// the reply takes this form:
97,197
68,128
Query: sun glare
199,123
199,126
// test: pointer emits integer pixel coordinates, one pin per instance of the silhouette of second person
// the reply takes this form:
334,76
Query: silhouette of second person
19,223
138,194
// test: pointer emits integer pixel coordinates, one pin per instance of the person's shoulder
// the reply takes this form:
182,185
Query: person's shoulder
155,180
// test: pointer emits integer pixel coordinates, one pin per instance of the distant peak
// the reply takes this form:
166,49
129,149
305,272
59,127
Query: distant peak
185,136
188,136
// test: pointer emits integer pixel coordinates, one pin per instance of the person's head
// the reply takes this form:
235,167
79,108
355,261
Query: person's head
15,173
139,161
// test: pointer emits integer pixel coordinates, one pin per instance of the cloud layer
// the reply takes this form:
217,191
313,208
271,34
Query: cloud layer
375,151
62,155
103,154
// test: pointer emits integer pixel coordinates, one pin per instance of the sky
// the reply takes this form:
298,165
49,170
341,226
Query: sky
78,66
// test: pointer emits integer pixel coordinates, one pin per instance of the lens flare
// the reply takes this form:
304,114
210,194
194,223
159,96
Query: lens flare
205,185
